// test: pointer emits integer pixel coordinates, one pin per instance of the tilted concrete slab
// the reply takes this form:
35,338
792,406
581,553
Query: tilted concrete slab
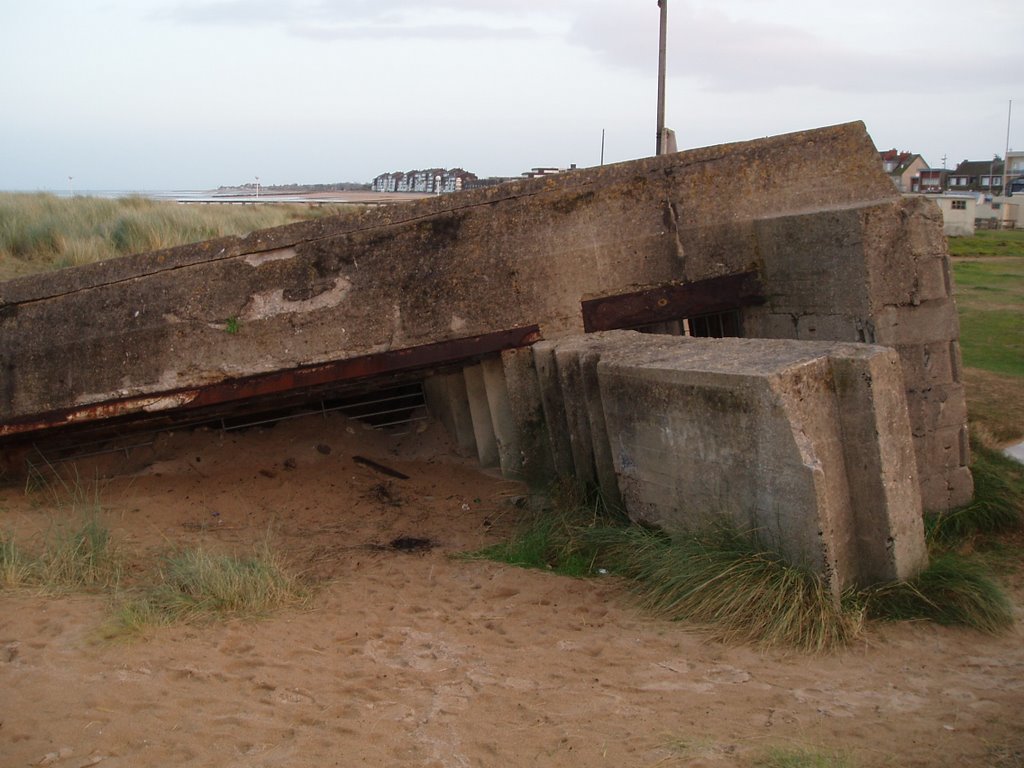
803,234
805,445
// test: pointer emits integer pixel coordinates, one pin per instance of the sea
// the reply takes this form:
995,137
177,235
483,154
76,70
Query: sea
153,194
213,195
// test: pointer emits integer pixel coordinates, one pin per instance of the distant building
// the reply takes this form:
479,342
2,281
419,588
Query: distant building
977,176
904,168
933,180
1015,172
536,173
429,181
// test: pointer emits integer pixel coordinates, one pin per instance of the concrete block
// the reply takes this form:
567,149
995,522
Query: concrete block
759,323
581,440
905,253
927,365
447,399
940,407
577,360
813,263
932,281
956,361
693,445
961,487
933,321
525,399
553,407
806,444
944,449
829,328
502,418
947,491
881,465
483,429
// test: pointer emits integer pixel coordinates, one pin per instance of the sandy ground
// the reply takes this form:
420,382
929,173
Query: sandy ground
419,659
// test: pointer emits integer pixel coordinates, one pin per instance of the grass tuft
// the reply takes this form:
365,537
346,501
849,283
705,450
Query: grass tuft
73,556
720,579
998,505
716,578
801,758
554,537
77,557
14,567
953,591
197,585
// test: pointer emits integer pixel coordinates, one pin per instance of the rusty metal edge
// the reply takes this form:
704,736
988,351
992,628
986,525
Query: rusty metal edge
277,382
672,301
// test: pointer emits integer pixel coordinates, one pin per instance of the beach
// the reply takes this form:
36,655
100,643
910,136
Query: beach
413,657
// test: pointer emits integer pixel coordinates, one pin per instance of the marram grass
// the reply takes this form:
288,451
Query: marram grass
75,555
720,580
197,585
717,579
953,590
14,567
779,757
42,232
998,504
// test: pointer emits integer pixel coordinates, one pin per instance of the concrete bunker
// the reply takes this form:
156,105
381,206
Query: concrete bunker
799,237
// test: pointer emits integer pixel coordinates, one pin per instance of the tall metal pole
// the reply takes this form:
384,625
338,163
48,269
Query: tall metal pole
602,146
1006,160
660,143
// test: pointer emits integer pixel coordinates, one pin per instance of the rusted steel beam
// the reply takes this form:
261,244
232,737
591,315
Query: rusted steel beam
280,382
673,301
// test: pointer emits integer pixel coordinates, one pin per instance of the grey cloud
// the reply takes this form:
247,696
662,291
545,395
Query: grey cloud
728,55
351,19
425,31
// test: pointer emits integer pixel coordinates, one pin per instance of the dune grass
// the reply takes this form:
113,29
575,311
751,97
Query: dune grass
779,757
13,562
716,578
998,504
43,232
721,579
197,586
75,554
953,591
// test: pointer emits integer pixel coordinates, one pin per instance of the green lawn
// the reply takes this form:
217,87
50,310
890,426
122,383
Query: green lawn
989,273
990,298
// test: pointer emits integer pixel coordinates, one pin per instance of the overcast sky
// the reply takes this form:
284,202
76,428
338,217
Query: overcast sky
192,94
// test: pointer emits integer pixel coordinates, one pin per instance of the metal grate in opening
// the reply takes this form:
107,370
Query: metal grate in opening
390,408
716,325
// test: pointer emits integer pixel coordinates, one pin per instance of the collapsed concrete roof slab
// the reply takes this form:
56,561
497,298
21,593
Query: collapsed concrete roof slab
803,235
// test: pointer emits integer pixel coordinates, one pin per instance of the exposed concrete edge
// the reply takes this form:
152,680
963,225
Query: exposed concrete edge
114,271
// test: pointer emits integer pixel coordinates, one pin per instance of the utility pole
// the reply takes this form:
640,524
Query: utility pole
662,46
1006,152
602,146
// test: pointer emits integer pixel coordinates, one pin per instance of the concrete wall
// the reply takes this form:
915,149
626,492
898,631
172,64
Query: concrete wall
806,445
840,254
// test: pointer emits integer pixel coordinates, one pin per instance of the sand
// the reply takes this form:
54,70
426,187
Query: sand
420,659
